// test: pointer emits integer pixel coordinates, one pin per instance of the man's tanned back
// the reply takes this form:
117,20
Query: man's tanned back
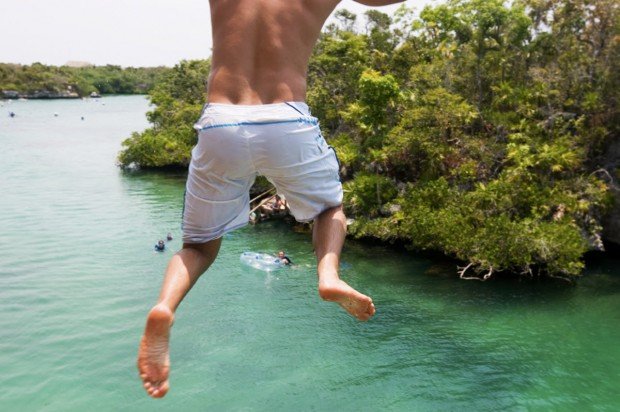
261,48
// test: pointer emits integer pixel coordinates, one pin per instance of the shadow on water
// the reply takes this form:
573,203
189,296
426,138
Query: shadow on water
437,275
438,272
602,274
162,187
155,177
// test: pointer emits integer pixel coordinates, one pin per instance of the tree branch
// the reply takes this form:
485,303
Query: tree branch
462,269
611,182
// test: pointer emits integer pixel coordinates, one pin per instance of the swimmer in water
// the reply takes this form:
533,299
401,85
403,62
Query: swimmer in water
259,63
160,246
284,259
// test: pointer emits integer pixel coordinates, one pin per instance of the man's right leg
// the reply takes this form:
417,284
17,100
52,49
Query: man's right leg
183,271
328,236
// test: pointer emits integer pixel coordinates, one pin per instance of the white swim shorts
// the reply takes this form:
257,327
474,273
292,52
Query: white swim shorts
281,141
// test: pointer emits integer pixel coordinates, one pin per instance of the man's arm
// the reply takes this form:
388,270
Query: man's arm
378,2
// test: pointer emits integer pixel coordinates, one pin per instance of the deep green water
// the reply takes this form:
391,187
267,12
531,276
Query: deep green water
78,274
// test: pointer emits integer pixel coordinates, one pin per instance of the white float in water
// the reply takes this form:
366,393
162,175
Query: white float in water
261,261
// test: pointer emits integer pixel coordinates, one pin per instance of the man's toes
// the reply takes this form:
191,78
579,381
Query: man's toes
360,315
367,313
160,391
163,389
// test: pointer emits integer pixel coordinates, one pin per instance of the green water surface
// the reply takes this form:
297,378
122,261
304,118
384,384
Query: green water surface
78,274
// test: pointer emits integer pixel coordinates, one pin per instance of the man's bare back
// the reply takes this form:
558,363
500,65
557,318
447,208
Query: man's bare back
261,48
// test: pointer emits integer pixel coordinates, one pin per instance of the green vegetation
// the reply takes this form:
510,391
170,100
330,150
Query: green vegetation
53,81
475,128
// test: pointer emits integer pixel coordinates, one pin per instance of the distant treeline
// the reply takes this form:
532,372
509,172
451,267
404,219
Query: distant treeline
480,128
39,80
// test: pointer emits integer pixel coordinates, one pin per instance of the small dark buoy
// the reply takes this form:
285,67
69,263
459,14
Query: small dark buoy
12,114
82,117
55,114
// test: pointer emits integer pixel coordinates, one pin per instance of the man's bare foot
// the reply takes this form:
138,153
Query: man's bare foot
358,305
153,358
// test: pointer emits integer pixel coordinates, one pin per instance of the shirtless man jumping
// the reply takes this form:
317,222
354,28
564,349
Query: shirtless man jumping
255,122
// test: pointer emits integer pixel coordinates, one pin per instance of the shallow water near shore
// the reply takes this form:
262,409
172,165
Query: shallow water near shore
78,274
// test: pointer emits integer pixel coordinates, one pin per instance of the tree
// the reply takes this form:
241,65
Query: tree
178,99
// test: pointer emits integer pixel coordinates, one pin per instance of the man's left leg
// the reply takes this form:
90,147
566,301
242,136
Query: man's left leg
183,271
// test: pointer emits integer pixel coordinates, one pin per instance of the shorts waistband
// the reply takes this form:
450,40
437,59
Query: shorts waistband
224,114
230,108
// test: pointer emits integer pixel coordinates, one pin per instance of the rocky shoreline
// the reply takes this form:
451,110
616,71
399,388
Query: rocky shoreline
39,94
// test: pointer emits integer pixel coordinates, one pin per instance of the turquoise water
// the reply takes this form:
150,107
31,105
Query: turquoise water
78,274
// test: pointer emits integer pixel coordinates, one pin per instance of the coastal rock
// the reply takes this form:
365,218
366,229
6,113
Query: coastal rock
10,94
38,94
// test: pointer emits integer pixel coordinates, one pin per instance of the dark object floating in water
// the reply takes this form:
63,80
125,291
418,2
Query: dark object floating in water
12,114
